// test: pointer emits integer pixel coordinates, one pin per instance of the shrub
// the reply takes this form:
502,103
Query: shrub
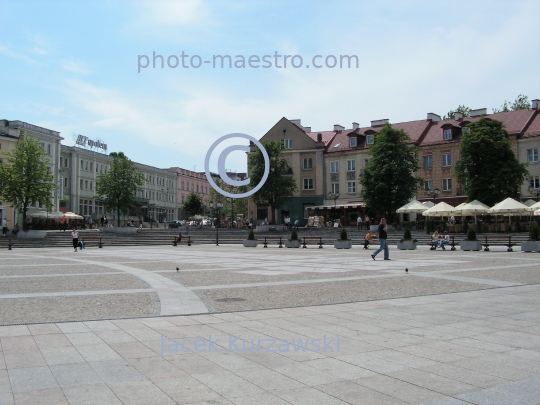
407,234
294,236
343,235
534,233
471,235
251,236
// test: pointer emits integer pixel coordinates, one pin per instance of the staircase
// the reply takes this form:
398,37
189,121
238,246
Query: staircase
151,237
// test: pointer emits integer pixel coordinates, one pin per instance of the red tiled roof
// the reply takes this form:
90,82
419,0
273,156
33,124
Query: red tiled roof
327,136
533,129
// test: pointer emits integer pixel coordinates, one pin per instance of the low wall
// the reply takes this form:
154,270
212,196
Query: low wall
31,234
122,229
268,228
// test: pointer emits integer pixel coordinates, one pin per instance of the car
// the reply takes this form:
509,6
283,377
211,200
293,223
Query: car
176,224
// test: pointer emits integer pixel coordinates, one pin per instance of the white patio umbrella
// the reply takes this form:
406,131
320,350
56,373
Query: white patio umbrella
473,208
415,207
71,215
428,204
442,209
509,207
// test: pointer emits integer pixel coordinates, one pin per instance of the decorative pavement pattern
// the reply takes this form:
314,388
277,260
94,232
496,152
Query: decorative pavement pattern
268,326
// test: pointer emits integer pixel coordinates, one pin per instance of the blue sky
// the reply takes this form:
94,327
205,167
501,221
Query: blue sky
71,66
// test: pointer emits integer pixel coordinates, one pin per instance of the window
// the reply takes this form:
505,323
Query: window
370,140
447,134
465,131
447,184
308,184
335,188
534,182
86,184
182,186
533,155
334,167
351,165
352,141
91,166
308,163
65,182
428,162
81,184
82,164
366,162
351,187
287,143
428,185
446,160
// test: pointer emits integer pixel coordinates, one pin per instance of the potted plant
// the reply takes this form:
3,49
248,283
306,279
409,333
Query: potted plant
343,242
471,242
533,244
293,242
251,241
407,242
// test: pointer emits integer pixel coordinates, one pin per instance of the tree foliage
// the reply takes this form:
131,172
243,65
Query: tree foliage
466,111
117,189
389,180
280,183
193,205
25,178
240,204
520,103
488,169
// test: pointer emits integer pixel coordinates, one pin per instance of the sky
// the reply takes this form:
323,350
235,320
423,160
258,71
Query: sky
77,67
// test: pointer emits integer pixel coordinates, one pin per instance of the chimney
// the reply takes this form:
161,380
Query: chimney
319,137
338,127
478,112
535,104
355,125
458,116
380,123
433,117
307,129
297,123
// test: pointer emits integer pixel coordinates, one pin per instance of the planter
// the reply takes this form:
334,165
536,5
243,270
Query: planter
342,244
406,245
470,245
530,246
292,243
250,243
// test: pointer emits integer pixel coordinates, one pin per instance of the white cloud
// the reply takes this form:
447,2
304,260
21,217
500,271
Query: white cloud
74,66
4,50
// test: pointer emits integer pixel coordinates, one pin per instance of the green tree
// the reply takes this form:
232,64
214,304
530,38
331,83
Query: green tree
279,185
193,205
240,204
466,111
117,189
488,169
520,103
388,180
25,178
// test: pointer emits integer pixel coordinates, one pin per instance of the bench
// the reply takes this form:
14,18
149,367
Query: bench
275,238
84,240
434,243
6,242
509,245
178,239
306,238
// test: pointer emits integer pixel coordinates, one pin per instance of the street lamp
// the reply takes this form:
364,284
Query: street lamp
433,193
333,196
219,205
534,190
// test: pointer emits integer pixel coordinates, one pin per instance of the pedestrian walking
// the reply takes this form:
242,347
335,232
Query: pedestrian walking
383,229
366,220
75,239
102,220
359,222
4,227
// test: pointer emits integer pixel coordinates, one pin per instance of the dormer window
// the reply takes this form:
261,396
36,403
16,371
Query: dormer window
465,131
370,139
353,142
447,134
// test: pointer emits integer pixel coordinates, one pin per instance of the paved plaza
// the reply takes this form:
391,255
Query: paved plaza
235,325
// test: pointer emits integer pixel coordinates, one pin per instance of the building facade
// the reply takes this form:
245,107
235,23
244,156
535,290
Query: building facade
187,182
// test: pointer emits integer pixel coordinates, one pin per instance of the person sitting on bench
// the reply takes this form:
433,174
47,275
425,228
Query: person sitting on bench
444,241
368,238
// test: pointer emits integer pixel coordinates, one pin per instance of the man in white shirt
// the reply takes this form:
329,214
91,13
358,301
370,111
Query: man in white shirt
366,220
444,241
4,226
358,223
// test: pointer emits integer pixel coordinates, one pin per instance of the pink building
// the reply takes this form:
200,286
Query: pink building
189,181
